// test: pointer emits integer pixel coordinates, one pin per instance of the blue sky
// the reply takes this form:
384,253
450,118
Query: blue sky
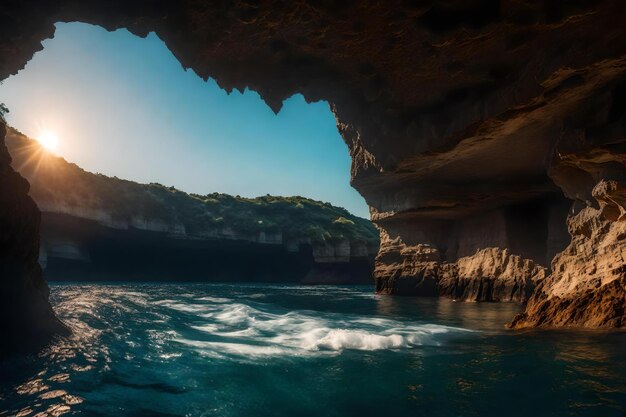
121,105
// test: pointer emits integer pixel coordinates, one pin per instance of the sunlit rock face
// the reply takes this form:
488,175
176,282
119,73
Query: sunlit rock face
26,318
493,256
456,113
587,287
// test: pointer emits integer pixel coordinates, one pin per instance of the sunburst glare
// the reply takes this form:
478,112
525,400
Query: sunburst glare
49,140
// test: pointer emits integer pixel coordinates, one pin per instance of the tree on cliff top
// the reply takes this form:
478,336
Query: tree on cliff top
3,110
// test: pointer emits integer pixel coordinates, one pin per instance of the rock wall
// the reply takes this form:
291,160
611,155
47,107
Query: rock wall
26,317
587,287
79,249
100,228
495,256
451,110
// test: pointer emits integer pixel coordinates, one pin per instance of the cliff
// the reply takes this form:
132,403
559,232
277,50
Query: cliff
98,227
456,113
26,317
587,287
495,256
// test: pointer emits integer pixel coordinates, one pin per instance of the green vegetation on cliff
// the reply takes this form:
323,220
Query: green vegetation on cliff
60,186
3,111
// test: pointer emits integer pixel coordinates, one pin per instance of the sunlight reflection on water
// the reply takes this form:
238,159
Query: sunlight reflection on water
170,350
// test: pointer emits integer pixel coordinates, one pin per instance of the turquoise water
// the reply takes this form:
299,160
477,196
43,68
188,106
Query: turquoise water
267,350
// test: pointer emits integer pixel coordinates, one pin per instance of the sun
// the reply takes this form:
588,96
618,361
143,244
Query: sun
49,140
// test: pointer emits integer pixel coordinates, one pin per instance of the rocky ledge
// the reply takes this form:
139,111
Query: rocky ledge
491,274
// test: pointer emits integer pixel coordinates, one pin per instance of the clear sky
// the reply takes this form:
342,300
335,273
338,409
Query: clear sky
123,106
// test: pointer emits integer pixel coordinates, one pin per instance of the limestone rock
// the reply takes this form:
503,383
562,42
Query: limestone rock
612,199
491,274
463,259
587,287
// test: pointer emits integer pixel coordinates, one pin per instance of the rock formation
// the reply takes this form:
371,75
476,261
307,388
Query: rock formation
78,249
96,227
26,318
495,256
587,287
457,114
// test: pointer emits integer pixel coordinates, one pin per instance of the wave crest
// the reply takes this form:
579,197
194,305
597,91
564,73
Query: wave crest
237,329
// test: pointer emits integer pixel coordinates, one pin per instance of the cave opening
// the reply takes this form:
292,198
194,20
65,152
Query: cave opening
138,167
123,106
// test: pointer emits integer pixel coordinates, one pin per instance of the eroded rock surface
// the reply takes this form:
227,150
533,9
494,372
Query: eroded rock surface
491,274
587,287
26,317
464,259
452,111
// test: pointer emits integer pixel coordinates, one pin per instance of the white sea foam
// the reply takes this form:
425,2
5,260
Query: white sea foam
207,328
241,330
215,299
243,349
186,308
134,294
167,356
249,332
358,339
236,314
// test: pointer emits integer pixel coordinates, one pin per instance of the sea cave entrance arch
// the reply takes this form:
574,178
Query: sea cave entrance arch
96,227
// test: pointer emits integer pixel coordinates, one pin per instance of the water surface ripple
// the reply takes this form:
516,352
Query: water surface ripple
272,350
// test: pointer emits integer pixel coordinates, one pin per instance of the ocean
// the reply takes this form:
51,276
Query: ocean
254,350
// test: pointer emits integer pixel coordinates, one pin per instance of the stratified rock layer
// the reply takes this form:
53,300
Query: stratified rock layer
453,111
587,287
491,274
464,258
26,318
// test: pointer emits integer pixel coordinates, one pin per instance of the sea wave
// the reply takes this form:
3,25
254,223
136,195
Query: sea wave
241,328
238,329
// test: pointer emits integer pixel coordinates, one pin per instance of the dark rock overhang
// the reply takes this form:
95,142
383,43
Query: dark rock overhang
449,93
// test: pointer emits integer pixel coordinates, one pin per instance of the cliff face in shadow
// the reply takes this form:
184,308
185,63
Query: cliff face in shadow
26,318
455,113
96,227
496,256
76,249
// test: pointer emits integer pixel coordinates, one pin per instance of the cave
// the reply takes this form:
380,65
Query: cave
232,209
487,137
